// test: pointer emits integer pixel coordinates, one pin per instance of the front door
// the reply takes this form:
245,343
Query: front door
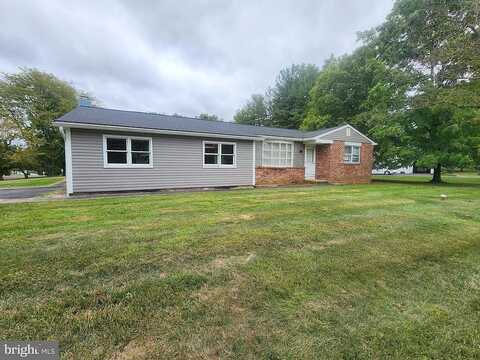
310,162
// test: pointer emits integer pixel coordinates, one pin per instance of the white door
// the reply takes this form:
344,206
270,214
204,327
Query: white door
310,162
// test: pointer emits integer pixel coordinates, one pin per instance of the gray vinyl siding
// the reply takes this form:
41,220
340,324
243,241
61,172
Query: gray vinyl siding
298,153
341,135
177,163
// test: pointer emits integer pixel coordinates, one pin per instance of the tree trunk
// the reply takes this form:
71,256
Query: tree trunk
25,174
437,174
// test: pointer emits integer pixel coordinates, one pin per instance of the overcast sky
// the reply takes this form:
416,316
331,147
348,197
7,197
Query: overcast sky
184,57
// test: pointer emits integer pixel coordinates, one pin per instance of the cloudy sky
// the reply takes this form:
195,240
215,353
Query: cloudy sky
177,56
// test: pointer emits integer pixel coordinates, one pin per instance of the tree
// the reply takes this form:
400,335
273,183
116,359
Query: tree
210,117
24,159
5,161
254,112
363,91
438,40
8,133
290,95
32,99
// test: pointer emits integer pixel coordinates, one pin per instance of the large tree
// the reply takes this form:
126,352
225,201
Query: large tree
254,112
362,90
32,99
8,135
290,95
440,41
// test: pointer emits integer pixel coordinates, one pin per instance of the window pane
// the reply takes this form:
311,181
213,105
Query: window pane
348,149
116,144
227,159
210,159
114,157
211,148
140,145
356,150
355,158
140,158
227,149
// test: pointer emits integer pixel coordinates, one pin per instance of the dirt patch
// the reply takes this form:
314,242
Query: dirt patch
324,245
135,350
474,282
82,218
221,262
237,218
87,314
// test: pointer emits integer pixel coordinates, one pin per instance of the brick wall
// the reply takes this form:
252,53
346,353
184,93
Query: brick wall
330,165
279,176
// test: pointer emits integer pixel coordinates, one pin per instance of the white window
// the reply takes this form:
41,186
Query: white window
351,154
219,154
349,132
127,151
277,154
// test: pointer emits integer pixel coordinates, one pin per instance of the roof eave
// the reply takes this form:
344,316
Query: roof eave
152,131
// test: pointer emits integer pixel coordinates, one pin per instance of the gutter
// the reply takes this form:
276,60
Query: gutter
153,131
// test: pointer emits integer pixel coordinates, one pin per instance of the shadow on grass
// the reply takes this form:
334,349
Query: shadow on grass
428,183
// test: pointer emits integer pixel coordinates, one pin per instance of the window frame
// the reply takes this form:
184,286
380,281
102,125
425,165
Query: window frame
278,142
350,160
219,154
129,163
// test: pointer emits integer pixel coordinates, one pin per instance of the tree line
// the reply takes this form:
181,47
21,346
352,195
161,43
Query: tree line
29,102
413,85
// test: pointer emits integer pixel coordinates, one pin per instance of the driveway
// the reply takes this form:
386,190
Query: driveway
28,193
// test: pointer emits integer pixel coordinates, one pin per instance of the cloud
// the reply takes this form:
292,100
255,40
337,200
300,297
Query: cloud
183,57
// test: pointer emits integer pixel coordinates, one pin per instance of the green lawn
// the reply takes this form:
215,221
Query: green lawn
354,272
31,182
458,179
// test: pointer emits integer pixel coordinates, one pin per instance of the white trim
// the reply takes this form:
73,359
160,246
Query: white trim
68,160
66,124
343,127
153,131
279,138
254,176
129,164
219,164
314,161
353,145
280,142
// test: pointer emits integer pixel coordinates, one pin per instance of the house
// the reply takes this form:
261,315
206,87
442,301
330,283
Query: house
116,150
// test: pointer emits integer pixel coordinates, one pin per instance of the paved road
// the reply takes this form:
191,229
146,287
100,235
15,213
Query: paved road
26,193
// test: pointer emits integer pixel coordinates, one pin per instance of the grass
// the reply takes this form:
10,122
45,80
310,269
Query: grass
460,179
30,182
325,272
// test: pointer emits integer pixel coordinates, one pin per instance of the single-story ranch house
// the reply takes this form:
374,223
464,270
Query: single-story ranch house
115,150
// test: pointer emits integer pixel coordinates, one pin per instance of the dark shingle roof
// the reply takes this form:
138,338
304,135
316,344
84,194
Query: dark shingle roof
151,121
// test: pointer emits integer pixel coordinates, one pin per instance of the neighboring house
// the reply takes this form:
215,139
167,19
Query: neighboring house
114,150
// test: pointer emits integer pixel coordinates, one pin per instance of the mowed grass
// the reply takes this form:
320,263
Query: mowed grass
458,179
322,272
30,182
